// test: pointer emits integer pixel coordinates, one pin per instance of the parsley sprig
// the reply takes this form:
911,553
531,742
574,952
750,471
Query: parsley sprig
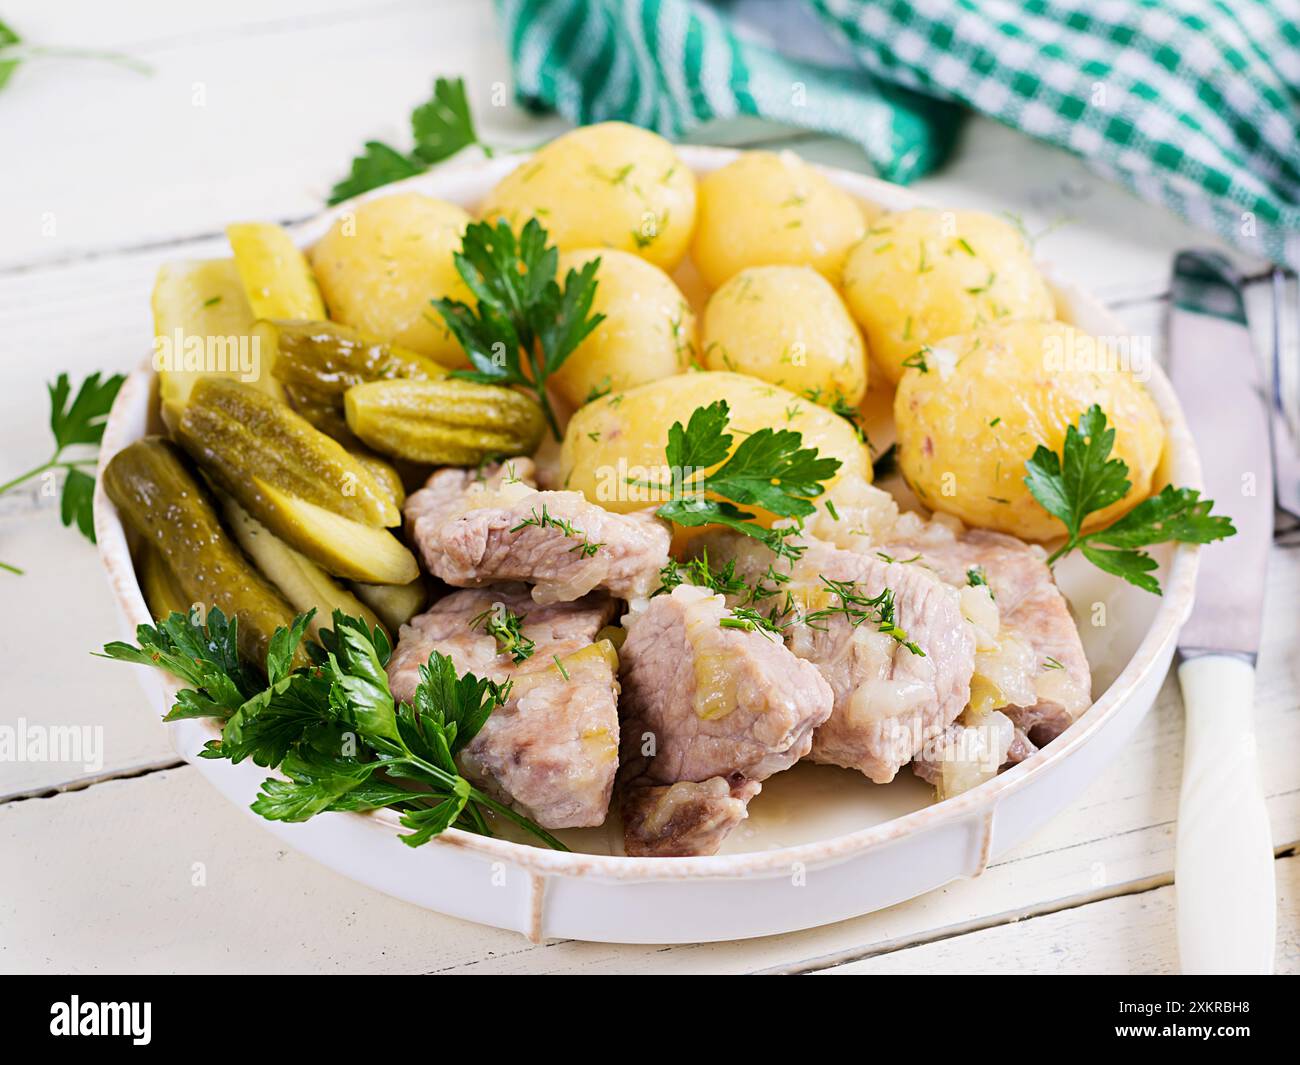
440,127
332,727
1084,479
76,424
770,469
524,324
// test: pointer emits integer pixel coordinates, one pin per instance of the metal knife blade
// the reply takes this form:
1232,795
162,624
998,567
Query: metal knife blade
1215,372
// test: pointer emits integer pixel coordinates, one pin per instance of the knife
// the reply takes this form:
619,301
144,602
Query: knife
1223,867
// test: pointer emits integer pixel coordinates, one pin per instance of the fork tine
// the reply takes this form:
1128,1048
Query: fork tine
1286,449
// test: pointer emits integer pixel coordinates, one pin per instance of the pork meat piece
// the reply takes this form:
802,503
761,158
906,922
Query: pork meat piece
889,702
552,749
1056,683
686,818
476,528
711,701
708,712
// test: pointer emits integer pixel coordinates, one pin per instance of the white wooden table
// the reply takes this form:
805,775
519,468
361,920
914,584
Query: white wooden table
253,110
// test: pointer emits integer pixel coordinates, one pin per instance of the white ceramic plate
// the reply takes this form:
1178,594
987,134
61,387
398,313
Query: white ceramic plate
821,844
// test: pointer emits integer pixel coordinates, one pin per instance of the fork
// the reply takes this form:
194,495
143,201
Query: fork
1286,444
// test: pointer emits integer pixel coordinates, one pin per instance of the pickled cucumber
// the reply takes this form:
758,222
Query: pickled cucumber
303,583
339,545
329,358
161,499
395,604
296,481
203,326
324,412
389,479
448,422
244,440
277,280
162,591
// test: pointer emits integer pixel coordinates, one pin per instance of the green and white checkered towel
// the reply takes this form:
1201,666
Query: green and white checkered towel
1192,104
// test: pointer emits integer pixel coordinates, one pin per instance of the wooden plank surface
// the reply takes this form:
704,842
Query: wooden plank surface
132,173
1129,934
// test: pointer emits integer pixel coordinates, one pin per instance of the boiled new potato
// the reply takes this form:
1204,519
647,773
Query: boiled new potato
969,421
381,263
786,325
919,276
605,186
766,209
648,331
623,435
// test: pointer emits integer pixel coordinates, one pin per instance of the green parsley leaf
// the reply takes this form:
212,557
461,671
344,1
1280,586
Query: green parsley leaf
78,502
524,325
332,728
377,165
82,422
76,424
1084,479
770,469
443,125
440,127
8,66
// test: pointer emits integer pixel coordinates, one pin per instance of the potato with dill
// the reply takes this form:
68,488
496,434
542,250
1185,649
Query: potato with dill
973,409
622,436
766,209
786,325
382,262
606,186
648,331
921,275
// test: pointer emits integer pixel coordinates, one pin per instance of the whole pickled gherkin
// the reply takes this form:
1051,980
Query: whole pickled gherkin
162,591
449,422
162,500
302,485
324,411
329,358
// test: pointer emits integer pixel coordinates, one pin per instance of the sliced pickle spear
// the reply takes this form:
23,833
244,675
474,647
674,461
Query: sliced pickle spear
303,583
277,280
244,441
203,327
341,546
395,604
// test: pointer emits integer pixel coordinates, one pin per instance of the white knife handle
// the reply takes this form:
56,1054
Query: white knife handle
1223,868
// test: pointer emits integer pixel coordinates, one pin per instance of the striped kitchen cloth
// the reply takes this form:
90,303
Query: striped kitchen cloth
1192,104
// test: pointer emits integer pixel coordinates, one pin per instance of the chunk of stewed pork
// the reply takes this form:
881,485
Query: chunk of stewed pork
474,528
552,749
1031,665
1030,662
890,700
683,819
705,701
